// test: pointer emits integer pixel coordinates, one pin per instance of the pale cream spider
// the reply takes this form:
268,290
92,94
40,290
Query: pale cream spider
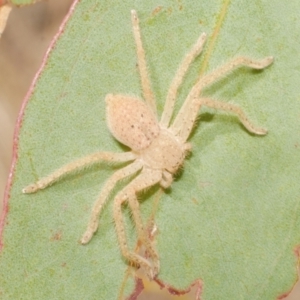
158,148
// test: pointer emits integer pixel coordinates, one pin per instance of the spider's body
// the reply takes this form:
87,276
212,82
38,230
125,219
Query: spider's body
158,148
166,153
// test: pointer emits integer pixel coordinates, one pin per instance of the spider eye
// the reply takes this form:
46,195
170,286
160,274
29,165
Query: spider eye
131,121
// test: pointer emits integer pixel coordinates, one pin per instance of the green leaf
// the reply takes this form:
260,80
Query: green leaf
231,218
23,2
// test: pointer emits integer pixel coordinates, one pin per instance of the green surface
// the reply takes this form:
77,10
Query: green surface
231,218
23,2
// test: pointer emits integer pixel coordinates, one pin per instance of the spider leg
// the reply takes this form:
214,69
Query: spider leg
108,187
215,75
78,164
120,229
228,67
192,113
228,107
172,93
145,81
144,180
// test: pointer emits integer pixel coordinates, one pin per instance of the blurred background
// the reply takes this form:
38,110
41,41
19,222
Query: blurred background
23,44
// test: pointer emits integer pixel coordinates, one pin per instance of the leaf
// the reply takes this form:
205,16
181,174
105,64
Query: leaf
23,2
232,216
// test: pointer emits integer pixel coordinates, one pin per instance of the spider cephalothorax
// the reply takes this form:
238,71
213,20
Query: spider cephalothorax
158,148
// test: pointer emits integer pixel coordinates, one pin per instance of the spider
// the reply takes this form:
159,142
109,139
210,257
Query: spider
158,148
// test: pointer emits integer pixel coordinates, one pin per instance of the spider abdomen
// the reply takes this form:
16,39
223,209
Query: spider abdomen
164,153
131,121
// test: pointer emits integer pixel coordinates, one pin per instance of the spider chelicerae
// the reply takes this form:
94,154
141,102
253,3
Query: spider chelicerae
158,147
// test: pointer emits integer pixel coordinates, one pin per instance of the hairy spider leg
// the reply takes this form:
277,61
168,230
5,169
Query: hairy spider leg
144,180
195,106
179,76
106,190
208,79
78,164
145,81
226,68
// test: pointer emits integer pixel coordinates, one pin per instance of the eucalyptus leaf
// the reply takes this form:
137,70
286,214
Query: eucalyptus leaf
231,217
